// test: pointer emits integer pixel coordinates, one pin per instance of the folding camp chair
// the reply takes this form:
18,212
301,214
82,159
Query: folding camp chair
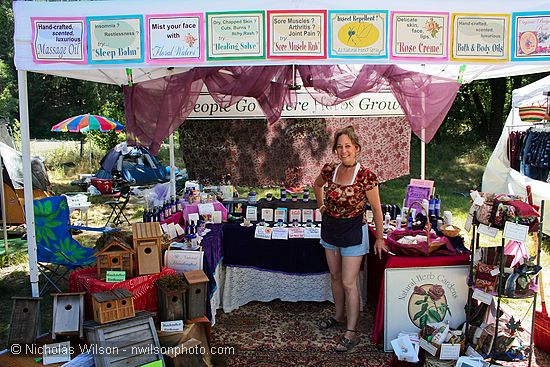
57,251
118,206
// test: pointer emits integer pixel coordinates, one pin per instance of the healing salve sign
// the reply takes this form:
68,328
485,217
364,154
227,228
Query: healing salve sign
58,39
175,37
115,39
481,37
414,297
419,36
357,34
297,34
235,35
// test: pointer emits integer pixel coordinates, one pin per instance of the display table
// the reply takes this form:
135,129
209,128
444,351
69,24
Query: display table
143,288
264,270
194,208
376,268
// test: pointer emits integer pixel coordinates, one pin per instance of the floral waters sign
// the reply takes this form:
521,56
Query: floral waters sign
414,297
531,36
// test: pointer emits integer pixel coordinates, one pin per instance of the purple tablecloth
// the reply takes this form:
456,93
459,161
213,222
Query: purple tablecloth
212,245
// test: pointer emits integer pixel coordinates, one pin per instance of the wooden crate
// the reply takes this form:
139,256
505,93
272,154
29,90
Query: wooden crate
197,295
176,357
148,246
68,314
25,320
116,255
171,304
113,305
137,332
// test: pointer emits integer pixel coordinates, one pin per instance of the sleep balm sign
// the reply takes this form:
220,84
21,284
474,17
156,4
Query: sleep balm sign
115,39
58,40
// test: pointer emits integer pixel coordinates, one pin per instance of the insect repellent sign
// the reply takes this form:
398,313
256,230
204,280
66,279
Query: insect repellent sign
357,34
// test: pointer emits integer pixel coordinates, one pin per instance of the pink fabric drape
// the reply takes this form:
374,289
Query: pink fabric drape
156,108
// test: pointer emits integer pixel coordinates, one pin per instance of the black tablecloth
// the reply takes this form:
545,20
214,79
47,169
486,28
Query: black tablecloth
296,256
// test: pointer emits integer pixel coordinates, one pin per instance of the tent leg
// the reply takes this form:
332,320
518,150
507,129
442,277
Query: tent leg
423,155
27,179
172,167
4,214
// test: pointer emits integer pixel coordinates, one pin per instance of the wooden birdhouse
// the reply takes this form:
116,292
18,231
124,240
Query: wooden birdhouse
113,305
148,247
116,255
196,282
68,314
122,336
171,298
25,316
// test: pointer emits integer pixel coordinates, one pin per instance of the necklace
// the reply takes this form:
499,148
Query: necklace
349,165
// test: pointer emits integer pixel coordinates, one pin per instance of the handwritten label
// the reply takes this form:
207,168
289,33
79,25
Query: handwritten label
279,233
280,213
114,40
514,231
472,353
176,325
312,232
481,37
177,38
233,35
252,213
307,214
449,351
415,195
296,232
56,353
267,214
418,35
295,214
217,216
482,296
115,276
263,232
358,34
428,347
297,34
468,224
183,260
488,231
61,40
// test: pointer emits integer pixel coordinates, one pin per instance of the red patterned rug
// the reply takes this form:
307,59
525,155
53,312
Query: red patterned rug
281,334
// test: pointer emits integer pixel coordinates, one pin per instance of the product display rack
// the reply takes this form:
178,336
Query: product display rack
475,245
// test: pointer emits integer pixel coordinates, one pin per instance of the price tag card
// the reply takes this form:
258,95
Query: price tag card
482,296
280,213
56,353
179,230
495,271
267,214
263,232
295,214
488,231
513,231
312,232
252,213
114,276
217,217
449,351
472,352
318,216
279,233
176,325
307,214
193,217
468,223
296,232
428,347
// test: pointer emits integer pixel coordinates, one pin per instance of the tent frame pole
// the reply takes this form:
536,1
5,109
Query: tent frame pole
4,214
172,167
27,179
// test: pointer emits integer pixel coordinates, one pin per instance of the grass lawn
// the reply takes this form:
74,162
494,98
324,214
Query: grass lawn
455,168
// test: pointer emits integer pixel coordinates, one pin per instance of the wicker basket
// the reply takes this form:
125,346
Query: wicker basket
432,361
532,113
449,230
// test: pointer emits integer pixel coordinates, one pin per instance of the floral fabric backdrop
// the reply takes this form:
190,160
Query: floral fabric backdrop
290,152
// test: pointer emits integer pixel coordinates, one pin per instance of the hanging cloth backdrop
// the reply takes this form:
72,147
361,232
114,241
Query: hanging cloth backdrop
156,108
290,152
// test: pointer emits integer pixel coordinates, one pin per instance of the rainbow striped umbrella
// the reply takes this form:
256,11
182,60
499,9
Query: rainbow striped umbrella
87,122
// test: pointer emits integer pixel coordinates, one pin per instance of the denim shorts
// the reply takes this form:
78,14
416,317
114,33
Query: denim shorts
357,250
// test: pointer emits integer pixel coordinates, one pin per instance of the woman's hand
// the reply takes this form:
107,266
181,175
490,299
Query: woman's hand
323,208
379,247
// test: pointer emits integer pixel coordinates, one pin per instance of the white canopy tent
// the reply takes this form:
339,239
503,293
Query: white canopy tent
117,74
499,177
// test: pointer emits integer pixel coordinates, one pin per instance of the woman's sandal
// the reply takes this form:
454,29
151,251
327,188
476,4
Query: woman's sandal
345,344
329,323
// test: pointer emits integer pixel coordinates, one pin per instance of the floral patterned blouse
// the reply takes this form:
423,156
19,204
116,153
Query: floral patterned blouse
348,201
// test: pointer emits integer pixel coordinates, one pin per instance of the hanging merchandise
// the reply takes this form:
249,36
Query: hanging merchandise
535,154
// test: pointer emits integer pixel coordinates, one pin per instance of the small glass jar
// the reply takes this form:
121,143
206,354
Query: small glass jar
283,194
305,196
269,197
294,198
252,197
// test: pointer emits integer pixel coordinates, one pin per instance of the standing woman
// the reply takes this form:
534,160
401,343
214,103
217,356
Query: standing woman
344,232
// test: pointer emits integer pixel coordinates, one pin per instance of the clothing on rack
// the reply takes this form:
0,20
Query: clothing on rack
515,144
535,154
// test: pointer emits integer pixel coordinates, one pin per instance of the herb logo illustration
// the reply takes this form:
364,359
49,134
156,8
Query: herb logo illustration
190,39
432,27
428,304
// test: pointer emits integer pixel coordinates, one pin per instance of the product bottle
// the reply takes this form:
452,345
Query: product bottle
174,208
161,215
179,205
398,222
432,206
437,206
145,215
410,223
387,220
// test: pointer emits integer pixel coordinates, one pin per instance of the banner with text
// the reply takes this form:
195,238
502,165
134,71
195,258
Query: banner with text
59,39
531,36
114,40
416,35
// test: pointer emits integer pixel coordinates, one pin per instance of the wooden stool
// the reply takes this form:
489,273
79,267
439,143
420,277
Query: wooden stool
197,296
68,314
139,331
25,319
